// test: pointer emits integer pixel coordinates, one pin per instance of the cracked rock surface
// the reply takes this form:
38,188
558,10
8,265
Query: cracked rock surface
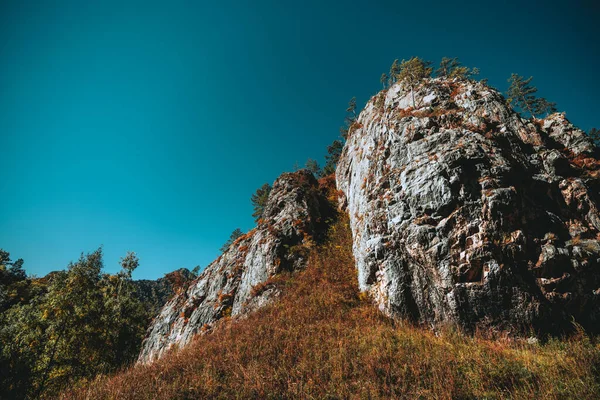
463,212
237,282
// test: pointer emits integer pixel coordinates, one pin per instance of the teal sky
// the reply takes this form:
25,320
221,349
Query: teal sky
146,126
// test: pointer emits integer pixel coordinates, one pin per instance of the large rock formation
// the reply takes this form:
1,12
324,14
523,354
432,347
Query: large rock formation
463,212
234,284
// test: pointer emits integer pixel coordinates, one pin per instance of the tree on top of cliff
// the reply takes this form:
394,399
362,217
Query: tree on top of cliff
522,94
334,150
349,119
259,200
412,72
352,107
384,79
394,71
313,166
595,135
237,232
452,68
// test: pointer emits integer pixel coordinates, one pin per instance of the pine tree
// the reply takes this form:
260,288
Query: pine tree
259,200
543,106
196,271
394,72
522,94
384,80
595,136
349,119
334,150
237,232
452,68
352,107
344,131
412,72
446,66
313,167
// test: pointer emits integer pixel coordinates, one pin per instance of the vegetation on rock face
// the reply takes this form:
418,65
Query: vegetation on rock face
324,339
234,235
595,135
522,94
259,200
313,167
452,68
412,72
350,118
334,150
449,224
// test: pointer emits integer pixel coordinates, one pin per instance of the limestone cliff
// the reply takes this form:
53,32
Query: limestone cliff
234,284
464,212
461,211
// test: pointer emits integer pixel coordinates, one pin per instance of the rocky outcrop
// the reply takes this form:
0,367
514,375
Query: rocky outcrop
463,212
153,294
237,282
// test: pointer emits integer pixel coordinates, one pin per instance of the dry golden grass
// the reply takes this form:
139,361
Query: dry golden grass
322,339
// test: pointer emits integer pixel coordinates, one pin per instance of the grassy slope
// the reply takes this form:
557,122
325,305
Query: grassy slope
322,339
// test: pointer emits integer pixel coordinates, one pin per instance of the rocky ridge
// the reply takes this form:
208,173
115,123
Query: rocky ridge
463,212
237,282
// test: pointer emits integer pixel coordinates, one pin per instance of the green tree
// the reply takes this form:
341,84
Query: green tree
351,110
124,317
394,72
384,80
595,135
446,66
237,232
543,106
13,281
452,68
522,94
77,324
313,167
259,201
349,119
196,271
71,325
72,310
334,150
412,73
22,339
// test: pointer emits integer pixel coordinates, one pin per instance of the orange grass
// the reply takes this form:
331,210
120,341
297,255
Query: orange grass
323,339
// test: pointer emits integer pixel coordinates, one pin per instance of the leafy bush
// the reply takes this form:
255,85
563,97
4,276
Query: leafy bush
75,324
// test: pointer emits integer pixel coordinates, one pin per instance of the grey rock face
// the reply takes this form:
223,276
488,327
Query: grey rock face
295,215
463,212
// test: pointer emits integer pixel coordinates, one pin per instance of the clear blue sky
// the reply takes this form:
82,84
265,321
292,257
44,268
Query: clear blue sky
146,126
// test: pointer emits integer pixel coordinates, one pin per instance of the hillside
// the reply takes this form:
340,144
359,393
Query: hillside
294,219
462,262
462,212
324,339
